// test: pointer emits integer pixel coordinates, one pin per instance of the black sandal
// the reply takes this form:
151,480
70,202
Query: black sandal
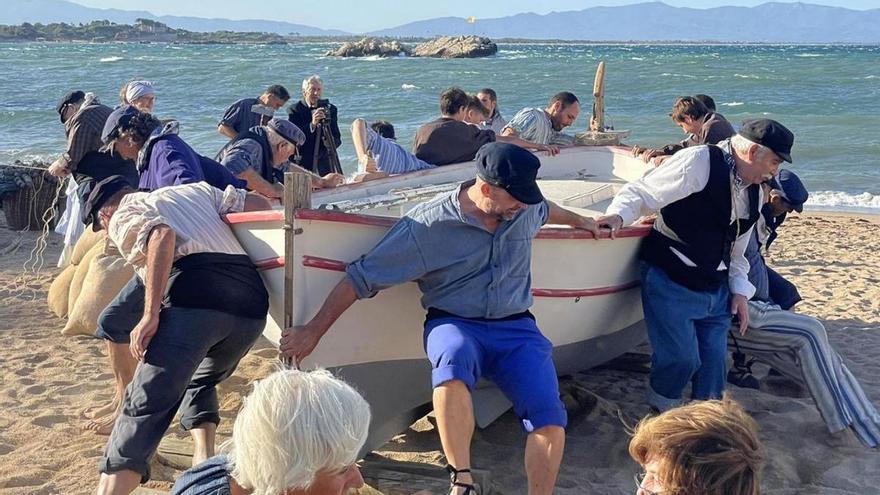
469,488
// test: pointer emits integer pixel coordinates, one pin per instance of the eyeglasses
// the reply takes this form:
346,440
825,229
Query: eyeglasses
640,479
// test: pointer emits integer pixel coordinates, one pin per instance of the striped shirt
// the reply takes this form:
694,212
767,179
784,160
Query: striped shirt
191,210
533,124
83,131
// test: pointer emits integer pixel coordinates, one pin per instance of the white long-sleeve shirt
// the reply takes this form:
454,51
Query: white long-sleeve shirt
193,211
681,175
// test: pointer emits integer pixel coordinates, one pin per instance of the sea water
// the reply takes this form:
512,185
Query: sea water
828,95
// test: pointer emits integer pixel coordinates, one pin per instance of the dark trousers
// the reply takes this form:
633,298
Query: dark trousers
192,351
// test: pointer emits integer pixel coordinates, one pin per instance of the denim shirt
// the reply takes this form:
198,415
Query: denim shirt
460,267
208,478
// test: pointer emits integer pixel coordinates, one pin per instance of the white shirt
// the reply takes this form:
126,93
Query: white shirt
192,211
681,175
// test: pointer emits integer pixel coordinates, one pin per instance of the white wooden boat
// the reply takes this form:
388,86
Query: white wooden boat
587,299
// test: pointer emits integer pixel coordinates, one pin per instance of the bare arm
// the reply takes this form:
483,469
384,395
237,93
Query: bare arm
560,216
299,341
226,131
553,150
160,256
256,182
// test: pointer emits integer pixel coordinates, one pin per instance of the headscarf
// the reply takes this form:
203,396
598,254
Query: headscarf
138,89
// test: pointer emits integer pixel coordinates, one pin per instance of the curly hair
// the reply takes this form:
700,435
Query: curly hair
703,448
139,127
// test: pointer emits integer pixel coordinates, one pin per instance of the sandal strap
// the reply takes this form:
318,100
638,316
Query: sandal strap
453,479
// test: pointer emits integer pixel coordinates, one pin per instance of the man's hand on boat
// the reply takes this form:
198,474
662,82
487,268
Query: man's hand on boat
611,222
647,154
298,342
549,148
142,335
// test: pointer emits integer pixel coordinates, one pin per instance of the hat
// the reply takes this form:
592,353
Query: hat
792,189
769,133
69,99
511,168
288,130
118,122
101,192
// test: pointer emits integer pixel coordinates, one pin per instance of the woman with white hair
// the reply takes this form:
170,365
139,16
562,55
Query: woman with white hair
139,94
298,433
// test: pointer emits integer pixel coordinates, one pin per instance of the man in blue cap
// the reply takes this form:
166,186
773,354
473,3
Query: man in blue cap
796,345
694,273
470,252
260,154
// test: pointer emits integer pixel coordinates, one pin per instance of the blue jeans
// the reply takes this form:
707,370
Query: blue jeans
688,332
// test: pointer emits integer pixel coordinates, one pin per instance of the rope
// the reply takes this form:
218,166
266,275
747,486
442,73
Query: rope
30,280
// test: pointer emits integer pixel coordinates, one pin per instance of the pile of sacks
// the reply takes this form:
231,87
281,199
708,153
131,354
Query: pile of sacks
85,287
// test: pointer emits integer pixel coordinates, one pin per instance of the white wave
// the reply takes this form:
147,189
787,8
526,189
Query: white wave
871,77
838,200
637,58
732,104
372,58
668,74
747,76
809,55
408,86
111,59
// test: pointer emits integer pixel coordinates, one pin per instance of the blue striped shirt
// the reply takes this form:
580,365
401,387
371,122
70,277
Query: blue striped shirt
533,124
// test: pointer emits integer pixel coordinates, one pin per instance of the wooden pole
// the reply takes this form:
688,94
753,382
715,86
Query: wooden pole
297,195
597,123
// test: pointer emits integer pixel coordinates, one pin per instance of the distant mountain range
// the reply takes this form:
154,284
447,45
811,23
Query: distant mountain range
655,21
46,11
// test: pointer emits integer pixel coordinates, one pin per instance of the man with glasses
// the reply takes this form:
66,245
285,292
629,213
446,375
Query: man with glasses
260,154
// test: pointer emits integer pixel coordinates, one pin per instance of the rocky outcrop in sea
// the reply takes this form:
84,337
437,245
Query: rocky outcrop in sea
456,47
442,47
369,47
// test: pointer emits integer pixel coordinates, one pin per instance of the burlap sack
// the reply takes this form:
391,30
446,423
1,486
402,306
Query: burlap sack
85,243
106,276
60,290
81,269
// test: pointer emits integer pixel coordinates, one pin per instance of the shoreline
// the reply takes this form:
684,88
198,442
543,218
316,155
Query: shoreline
48,379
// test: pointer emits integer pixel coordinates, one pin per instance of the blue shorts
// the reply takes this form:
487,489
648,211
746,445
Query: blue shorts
512,353
123,313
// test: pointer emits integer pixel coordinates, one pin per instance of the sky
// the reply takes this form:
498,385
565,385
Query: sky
358,16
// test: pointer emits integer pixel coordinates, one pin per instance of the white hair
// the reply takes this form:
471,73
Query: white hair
743,145
273,137
293,425
314,78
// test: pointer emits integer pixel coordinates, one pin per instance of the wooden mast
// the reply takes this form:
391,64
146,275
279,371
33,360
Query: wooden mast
297,195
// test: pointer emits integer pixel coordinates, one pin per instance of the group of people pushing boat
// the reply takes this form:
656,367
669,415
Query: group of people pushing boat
197,303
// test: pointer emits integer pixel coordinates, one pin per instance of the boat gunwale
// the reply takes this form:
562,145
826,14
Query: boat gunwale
380,221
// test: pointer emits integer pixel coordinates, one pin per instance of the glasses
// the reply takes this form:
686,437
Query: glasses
640,479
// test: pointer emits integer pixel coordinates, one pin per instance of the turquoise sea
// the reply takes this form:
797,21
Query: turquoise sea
828,95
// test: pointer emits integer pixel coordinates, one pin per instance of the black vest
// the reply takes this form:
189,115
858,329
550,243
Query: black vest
705,233
258,134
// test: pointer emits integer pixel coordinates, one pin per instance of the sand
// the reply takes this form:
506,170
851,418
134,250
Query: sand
46,380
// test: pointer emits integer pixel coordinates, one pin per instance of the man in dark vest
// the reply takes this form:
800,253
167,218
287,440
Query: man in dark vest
317,118
259,156
694,273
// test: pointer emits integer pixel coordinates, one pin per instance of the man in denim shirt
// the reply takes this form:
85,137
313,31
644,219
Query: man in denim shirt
470,252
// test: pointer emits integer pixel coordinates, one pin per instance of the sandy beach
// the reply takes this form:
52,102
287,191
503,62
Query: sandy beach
46,380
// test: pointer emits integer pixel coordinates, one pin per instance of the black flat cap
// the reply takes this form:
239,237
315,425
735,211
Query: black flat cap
511,168
769,133
69,99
